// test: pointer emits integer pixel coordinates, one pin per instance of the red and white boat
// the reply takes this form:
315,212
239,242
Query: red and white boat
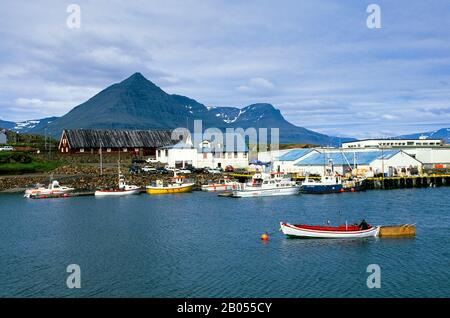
224,184
317,231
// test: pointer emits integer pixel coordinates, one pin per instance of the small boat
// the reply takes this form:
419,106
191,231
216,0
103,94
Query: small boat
263,184
317,231
176,186
54,188
123,189
224,184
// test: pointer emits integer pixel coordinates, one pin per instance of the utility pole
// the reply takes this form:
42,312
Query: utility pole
101,158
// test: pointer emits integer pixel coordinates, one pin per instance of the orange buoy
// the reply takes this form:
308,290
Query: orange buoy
265,237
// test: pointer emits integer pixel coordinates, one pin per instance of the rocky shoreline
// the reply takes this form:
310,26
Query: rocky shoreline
91,181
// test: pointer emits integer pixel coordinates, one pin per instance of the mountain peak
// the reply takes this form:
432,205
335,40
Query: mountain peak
136,79
261,107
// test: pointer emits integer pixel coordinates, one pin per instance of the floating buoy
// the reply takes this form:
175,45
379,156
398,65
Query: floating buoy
265,237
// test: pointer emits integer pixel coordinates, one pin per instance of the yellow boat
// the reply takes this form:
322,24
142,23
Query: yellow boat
178,186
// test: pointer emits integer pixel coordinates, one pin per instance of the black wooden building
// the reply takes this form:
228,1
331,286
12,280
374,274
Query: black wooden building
84,141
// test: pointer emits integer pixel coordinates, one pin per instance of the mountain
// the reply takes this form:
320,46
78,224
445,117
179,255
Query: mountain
7,124
27,125
443,133
137,103
267,116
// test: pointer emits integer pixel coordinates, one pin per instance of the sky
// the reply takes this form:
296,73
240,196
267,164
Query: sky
318,62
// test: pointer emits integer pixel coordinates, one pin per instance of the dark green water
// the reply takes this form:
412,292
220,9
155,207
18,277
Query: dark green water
200,245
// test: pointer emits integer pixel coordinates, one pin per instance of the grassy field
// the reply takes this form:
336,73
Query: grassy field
21,162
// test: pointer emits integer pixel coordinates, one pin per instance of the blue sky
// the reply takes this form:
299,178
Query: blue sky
316,61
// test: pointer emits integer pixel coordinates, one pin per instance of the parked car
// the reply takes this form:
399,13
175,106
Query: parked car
148,169
7,148
184,171
194,169
152,160
137,160
172,169
135,169
162,170
213,171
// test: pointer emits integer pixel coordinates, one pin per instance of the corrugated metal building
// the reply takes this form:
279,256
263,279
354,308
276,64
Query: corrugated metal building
79,141
286,162
393,162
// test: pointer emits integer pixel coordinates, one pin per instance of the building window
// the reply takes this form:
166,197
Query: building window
245,155
81,149
108,149
205,155
159,153
166,153
125,149
235,154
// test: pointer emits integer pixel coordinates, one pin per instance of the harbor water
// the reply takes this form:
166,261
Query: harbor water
202,245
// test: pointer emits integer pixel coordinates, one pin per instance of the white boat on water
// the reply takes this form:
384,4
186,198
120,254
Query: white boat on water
263,184
224,184
54,188
123,189
317,231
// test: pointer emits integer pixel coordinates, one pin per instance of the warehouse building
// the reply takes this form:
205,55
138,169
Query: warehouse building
368,163
287,162
392,143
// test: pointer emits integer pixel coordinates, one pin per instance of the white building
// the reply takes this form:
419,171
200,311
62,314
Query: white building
431,158
206,154
3,139
393,143
433,153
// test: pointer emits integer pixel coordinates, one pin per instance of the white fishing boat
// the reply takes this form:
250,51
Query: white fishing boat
224,184
317,231
263,184
123,189
54,188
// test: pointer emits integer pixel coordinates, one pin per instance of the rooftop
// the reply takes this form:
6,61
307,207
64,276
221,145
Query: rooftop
345,158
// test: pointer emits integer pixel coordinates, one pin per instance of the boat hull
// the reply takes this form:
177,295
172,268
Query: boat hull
115,193
294,231
217,187
170,190
264,192
321,189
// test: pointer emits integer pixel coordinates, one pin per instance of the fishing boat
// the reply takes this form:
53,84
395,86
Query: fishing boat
263,184
122,189
54,188
335,232
224,184
178,185
327,184
353,185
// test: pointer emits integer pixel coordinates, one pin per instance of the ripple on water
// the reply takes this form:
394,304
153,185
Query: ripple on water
200,245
